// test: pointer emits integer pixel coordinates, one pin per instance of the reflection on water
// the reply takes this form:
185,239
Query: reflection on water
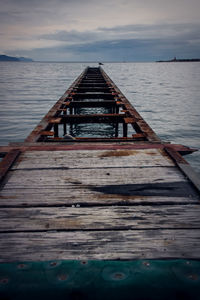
92,130
165,94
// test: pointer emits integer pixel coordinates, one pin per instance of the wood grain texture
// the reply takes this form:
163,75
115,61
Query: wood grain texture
130,244
99,218
92,176
99,204
71,196
93,159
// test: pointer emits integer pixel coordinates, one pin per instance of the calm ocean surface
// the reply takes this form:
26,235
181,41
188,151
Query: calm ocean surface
167,95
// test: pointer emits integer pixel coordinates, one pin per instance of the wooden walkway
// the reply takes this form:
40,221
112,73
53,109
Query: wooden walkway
126,197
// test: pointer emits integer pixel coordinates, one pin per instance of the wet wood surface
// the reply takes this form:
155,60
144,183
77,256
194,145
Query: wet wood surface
97,204
84,245
93,159
99,218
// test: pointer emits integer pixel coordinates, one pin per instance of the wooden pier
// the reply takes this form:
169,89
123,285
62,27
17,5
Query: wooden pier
86,217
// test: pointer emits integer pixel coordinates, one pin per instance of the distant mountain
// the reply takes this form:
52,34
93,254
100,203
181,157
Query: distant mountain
11,58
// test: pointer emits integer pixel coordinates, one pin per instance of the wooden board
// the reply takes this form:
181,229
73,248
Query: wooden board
92,176
67,197
97,204
99,218
84,245
97,177
85,158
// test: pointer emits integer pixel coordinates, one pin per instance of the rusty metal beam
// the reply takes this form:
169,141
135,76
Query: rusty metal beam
35,135
88,118
184,166
140,126
93,96
94,83
93,104
90,143
95,89
97,140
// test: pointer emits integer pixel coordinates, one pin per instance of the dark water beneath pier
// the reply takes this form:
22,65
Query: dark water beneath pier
167,95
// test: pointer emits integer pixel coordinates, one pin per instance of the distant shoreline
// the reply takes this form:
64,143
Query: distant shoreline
15,59
181,60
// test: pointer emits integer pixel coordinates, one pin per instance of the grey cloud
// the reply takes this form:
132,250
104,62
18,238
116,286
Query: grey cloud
140,32
163,28
71,36
118,50
181,40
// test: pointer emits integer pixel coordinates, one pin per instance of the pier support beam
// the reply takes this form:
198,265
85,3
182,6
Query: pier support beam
56,134
125,129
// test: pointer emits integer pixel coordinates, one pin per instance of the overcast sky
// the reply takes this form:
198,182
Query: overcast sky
100,30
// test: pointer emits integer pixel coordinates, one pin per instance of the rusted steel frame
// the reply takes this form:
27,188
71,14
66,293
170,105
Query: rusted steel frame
98,77
91,85
72,99
44,124
184,166
97,140
47,133
92,72
80,104
84,81
77,96
90,118
94,146
87,78
7,162
140,126
92,89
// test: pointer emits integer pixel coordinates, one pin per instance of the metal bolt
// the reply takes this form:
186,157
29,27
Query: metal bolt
118,275
147,264
21,266
53,263
62,277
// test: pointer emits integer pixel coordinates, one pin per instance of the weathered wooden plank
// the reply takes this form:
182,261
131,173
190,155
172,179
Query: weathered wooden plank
99,218
102,144
92,177
129,244
86,153
84,158
62,196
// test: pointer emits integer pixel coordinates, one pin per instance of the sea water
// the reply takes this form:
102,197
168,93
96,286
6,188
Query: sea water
167,95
